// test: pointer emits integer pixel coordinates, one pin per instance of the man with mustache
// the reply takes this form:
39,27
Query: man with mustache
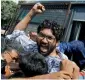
49,33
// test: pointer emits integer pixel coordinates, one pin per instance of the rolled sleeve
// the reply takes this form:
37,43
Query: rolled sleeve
15,34
23,39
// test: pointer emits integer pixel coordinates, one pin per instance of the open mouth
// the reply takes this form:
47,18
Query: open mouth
43,48
44,45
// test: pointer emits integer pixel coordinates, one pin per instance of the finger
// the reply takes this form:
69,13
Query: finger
75,71
66,77
43,8
40,6
67,65
39,11
66,73
75,74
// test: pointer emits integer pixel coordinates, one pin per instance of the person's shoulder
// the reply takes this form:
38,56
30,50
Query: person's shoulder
77,42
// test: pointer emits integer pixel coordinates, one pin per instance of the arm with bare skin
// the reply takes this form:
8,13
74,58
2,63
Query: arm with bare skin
67,72
37,8
70,67
56,75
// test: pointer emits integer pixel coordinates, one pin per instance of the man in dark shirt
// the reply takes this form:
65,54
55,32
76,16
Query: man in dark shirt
75,50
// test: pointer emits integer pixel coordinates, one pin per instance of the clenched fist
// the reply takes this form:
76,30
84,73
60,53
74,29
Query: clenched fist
38,8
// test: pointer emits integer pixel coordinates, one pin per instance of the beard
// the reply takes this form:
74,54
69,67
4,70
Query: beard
47,49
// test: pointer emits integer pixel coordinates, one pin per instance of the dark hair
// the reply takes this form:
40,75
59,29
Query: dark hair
17,74
3,64
7,44
33,64
57,30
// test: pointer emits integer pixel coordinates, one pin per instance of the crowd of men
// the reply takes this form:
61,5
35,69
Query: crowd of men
41,55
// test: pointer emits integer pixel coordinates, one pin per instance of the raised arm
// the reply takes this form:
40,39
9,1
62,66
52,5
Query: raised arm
37,8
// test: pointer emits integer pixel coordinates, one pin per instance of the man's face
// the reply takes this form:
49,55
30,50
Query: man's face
46,42
11,56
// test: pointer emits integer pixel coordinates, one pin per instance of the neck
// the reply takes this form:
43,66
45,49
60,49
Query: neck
57,43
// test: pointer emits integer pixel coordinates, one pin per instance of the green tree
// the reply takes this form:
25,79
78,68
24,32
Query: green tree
8,9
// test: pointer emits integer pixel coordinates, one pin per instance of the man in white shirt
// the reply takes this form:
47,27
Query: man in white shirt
48,36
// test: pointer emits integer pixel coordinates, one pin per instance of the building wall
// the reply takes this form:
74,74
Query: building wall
62,14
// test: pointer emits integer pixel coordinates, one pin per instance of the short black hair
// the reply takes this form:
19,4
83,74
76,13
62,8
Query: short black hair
9,45
3,64
56,29
33,64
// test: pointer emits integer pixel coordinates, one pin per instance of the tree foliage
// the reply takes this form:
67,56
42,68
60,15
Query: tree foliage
8,9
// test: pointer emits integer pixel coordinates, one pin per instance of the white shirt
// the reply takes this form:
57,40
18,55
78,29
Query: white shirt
31,46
